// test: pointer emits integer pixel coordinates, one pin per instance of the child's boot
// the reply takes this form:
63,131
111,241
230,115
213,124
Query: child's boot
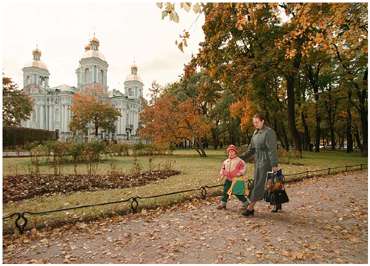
222,206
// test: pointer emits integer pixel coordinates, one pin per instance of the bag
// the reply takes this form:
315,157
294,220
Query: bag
279,197
274,188
239,187
274,181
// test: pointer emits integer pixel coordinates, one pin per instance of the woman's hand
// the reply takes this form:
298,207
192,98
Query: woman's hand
275,169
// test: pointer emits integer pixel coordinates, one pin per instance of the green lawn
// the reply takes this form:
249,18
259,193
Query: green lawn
196,172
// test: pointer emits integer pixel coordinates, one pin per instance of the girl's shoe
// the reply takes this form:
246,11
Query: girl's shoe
248,212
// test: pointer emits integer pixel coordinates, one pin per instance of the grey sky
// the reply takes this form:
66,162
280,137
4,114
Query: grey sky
126,30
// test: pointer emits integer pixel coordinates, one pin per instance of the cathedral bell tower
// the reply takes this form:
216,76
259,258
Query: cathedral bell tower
93,67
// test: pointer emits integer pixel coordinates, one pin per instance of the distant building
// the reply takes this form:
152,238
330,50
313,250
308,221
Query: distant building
52,105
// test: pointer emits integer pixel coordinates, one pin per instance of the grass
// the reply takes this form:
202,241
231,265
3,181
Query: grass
195,172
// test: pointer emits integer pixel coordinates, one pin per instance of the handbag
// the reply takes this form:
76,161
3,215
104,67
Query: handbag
274,188
279,197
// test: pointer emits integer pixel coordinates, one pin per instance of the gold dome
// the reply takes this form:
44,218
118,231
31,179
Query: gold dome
94,40
36,54
36,62
133,76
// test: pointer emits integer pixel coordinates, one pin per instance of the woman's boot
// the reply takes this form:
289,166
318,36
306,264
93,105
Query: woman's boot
276,208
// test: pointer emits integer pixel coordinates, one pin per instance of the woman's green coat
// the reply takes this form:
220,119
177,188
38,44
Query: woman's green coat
264,148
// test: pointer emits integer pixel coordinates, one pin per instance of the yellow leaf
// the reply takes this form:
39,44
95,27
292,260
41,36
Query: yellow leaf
159,4
186,6
164,14
175,17
181,46
197,8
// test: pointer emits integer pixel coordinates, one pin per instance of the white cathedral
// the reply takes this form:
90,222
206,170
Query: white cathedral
52,105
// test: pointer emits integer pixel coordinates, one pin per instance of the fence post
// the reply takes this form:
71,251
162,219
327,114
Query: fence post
307,174
329,171
361,166
346,168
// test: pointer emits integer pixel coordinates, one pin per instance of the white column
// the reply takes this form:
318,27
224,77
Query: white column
46,111
62,118
118,125
37,116
50,121
68,117
65,118
67,111
136,120
50,117
121,119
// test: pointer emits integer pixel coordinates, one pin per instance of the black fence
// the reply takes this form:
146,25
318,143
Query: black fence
21,220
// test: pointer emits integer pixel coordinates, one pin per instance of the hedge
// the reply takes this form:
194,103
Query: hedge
20,136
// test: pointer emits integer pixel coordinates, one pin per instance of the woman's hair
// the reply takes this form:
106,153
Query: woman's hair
260,116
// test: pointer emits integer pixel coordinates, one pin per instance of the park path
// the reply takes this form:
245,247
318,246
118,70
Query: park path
325,222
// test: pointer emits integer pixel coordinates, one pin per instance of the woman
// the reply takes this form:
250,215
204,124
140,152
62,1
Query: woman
264,147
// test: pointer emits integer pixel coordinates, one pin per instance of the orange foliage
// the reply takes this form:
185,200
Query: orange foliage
171,121
243,109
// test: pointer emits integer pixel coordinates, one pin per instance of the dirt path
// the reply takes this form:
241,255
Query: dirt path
325,222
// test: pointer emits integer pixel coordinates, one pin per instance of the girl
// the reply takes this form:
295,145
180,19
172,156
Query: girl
232,169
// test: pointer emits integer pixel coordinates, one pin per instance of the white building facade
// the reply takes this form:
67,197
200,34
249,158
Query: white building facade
52,105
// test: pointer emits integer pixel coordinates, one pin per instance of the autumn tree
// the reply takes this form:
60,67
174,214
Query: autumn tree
275,63
168,120
90,107
17,106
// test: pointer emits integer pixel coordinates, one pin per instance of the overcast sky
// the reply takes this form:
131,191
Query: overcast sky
126,30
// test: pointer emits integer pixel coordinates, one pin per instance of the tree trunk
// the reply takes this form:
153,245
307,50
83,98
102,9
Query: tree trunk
349,124
363,114
215,138
358,139
199,148
332,137
317,127
330,109
291,113
313,77
306,138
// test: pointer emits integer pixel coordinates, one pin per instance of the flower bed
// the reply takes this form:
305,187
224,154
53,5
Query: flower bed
27,186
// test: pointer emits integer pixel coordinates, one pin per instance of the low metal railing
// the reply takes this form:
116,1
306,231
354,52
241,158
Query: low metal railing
21,220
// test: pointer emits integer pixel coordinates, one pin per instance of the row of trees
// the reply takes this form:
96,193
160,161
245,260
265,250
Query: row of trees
303,65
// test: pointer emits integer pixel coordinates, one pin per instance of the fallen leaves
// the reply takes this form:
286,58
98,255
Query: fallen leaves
21,187
193,230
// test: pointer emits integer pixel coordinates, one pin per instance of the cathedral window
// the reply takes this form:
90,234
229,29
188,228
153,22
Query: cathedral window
94,74
101,79
86,75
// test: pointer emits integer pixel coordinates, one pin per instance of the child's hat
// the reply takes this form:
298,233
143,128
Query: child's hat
232,148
